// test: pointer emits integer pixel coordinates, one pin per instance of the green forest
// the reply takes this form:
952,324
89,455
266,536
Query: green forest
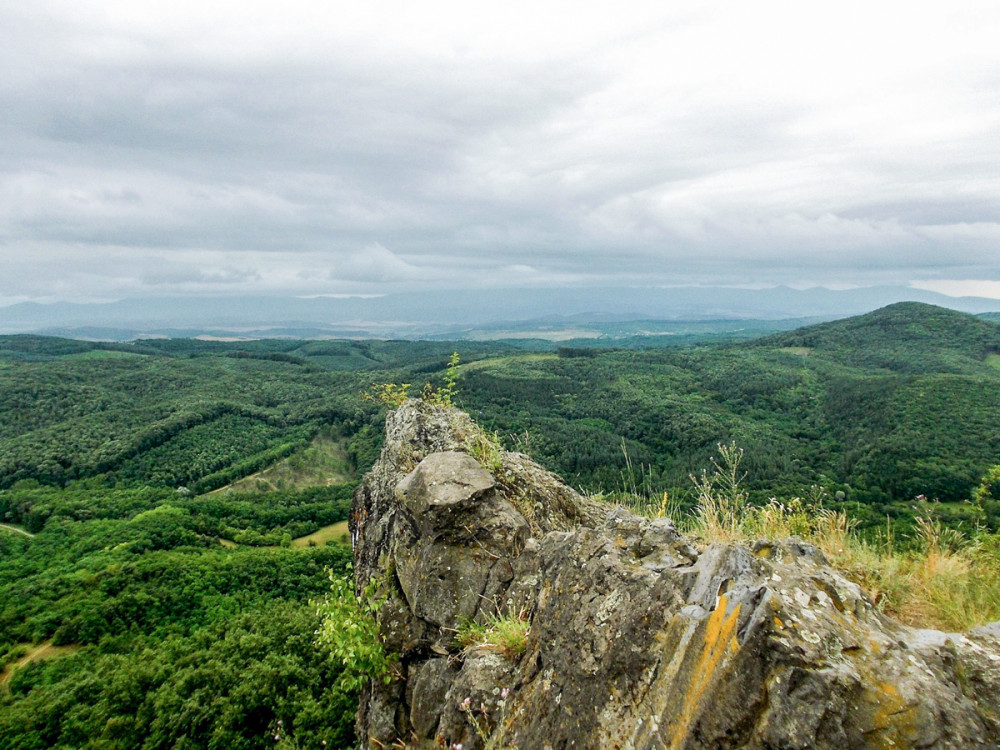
175,609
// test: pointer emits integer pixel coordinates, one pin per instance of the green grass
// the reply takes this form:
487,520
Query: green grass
106,354
499,362
506,635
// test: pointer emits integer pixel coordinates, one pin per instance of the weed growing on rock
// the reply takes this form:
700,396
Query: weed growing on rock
660,505
722,503
443,396
392,395
491,732
506,635
487,450
448,391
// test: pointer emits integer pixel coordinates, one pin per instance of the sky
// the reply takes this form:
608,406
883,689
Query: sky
329,148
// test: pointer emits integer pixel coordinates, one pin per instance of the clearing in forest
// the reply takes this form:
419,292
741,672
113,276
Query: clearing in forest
322,463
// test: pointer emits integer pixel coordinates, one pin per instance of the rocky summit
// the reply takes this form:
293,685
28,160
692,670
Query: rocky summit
524,615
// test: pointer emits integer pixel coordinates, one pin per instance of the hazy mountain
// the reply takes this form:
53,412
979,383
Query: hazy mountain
424,313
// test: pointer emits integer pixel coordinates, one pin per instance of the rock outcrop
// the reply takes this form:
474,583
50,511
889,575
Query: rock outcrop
635,639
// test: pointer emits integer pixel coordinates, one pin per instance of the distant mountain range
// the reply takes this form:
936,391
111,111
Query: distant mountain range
459,314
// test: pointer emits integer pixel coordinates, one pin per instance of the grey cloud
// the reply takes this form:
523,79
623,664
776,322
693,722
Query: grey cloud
947,210
473,171
374,263
175,276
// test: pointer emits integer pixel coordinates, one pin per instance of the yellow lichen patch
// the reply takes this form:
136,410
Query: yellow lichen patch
891,719
720,643
876,646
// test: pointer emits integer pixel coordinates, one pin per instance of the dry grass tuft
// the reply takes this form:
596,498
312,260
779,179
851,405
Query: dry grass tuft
944,581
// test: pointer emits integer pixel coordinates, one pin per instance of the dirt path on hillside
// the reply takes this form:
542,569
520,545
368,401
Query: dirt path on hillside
42,651
16,530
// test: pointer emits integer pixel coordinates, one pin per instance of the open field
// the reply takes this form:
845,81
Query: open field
335,532
497,361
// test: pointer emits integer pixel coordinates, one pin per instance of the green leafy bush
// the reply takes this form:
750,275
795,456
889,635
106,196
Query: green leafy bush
349,632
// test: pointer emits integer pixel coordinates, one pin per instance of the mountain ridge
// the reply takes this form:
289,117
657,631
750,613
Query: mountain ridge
415,314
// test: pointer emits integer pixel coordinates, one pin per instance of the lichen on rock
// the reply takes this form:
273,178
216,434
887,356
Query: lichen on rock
637,640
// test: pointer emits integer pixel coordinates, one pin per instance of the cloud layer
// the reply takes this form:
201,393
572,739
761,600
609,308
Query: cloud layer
318,148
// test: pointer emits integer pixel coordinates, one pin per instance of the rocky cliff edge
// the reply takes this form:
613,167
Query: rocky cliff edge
626,636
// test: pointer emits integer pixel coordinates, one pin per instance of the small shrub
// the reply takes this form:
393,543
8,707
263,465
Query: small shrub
394,395
349,632
389,394
443,396
14,652
989,486
449,390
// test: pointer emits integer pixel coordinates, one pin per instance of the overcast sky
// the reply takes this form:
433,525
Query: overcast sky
155,148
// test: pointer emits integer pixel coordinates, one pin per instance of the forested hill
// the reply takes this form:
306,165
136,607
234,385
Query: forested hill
905,337
884,408
888,406
184,412
325,354
179,608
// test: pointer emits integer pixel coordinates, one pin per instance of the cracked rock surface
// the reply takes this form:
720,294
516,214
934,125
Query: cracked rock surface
637,640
